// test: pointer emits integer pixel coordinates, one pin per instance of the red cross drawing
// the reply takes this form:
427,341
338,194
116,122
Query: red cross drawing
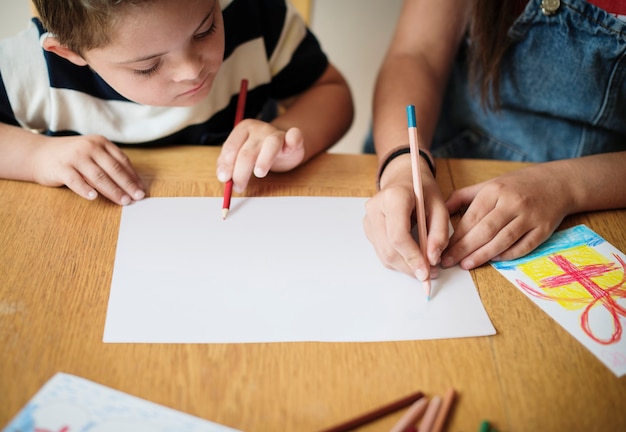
63,429
603,296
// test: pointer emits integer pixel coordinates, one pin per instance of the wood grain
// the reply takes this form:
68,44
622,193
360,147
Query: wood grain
57,255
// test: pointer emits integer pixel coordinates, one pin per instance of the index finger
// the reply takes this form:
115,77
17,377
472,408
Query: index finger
114,176
230,149
402,234
126,168
462,198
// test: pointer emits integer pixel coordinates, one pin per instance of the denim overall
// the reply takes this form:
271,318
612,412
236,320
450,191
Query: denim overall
563,91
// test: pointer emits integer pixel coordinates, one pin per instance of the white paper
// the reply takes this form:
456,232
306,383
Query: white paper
578,279
69,403
276,270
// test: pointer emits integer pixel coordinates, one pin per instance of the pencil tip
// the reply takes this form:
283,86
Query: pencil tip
427,289
224,213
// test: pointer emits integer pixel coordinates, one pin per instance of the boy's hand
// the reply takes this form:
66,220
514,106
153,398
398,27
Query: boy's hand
257,147
87,165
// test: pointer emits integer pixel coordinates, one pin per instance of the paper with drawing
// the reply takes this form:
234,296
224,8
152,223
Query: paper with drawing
579,279
67,403
276,270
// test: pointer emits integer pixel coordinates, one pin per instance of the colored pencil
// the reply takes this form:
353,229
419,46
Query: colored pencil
428,421
446,407
417,186
241,106
484,426
411,416
376,413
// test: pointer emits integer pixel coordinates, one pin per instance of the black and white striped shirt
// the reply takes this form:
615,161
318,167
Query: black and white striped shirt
267,43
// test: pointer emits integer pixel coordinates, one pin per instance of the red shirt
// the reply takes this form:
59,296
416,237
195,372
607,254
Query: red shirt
614,7
617,7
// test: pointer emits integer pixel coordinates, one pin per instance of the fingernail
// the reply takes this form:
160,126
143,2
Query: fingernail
222,176
468,265
434,272
436,256
92,194
420,274
139,194
125,200
259,173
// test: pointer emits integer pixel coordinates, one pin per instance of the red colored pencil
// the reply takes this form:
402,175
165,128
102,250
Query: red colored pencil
241,105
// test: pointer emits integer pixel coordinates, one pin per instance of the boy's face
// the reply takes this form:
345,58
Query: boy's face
163,53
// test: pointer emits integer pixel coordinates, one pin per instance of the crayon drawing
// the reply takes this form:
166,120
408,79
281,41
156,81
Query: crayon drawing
67,403
585,276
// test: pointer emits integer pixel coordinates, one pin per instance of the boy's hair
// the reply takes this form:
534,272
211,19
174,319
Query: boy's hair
80,25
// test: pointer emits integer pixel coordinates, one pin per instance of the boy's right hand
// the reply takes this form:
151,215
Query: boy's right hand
256,147
88,165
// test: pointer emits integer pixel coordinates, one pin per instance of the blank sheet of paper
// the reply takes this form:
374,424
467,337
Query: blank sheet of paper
278,269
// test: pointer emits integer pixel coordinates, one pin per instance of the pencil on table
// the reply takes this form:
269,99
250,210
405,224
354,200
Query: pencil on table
241,106
376,413
444,410
417,186
485,426
411,416
428,421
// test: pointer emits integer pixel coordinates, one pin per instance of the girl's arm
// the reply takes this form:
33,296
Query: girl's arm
509,216
415,71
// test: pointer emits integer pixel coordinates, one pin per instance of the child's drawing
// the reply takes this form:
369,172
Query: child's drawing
585,276
68,403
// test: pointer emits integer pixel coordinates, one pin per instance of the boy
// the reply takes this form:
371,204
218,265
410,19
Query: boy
158,72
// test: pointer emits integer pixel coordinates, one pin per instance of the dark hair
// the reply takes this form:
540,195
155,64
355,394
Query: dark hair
489,42
80,24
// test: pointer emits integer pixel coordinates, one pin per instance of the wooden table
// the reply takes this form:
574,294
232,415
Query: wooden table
57,255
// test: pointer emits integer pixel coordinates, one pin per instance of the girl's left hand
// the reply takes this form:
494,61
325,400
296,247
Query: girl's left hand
506,217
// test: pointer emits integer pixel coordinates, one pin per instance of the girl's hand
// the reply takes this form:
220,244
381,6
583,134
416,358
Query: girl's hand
507,217
257,147
88,165
390,217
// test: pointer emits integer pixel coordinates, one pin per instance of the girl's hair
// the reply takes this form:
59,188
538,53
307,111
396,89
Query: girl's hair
489,42
80,25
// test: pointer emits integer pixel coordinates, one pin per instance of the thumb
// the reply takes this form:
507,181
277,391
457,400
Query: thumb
461,198
293,139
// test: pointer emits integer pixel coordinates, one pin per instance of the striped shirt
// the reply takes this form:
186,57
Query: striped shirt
266,42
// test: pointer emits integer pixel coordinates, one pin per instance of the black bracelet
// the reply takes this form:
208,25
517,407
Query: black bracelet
431,164
398,152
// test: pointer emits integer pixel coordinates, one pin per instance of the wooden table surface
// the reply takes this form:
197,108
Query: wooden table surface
57,252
